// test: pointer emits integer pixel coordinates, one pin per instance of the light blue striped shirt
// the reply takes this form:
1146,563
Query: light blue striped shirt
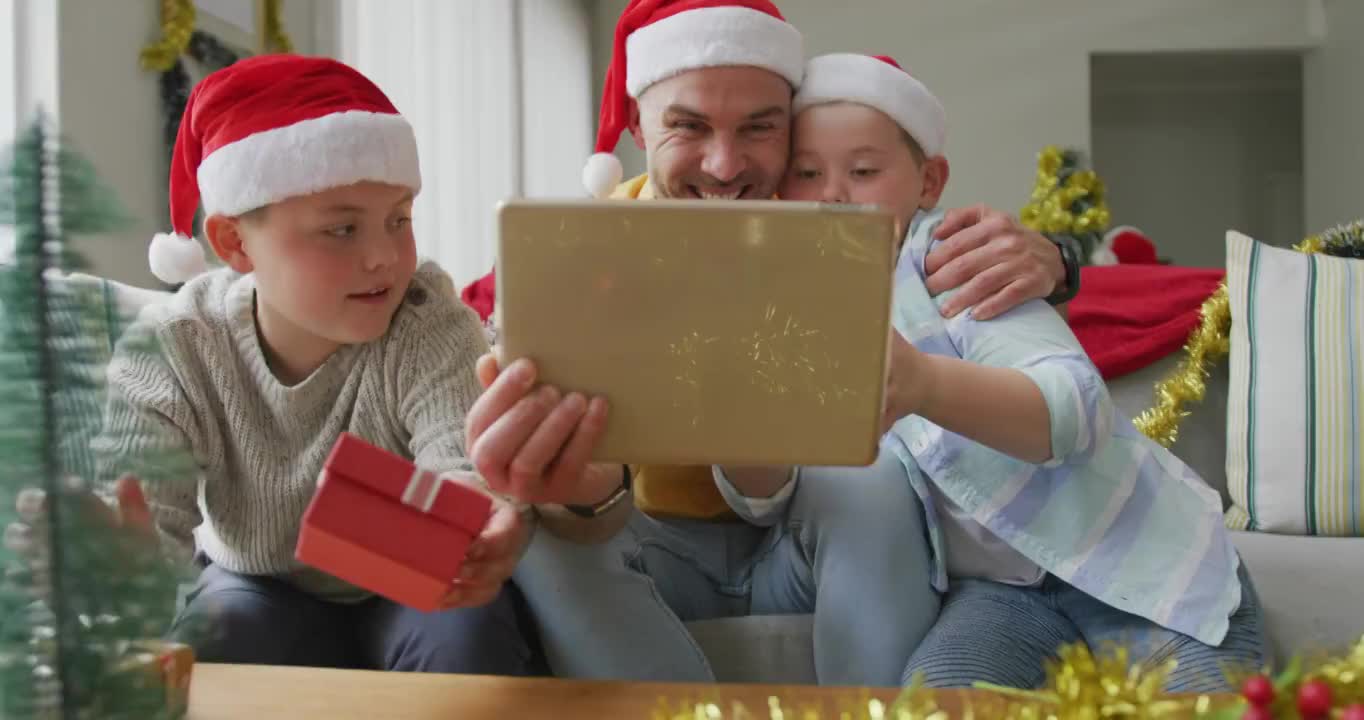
1113,513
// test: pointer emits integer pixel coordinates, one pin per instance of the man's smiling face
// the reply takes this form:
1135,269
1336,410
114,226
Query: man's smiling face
716,133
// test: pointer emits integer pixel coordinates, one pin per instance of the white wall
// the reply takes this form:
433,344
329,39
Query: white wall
1191,144
1333,118
110,109
1014,75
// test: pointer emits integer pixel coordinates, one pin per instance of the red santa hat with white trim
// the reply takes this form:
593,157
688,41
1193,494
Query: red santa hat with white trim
658,39
273,127
879,82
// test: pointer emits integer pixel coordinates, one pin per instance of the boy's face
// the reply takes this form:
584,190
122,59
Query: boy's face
852,153
721,132
331,268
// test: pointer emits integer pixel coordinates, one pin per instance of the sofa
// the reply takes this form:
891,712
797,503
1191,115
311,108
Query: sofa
1311,588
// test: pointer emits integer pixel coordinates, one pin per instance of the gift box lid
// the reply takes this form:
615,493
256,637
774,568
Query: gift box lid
449,496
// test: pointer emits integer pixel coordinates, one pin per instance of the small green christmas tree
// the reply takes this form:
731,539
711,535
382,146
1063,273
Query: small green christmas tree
76,603
1345,241
1068,202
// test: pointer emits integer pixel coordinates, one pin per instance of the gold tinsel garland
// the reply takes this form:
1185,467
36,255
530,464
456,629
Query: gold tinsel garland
1211,342
275,36
1066,200
1080,686
177,26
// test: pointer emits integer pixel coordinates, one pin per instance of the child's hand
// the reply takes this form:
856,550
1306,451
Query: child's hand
906,381
25,537
492,557
132,513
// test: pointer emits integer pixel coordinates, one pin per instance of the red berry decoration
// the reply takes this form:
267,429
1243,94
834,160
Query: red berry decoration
1258,691
1314,700
1256,712
1354,712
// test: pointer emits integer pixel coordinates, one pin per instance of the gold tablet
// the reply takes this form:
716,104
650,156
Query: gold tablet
741,333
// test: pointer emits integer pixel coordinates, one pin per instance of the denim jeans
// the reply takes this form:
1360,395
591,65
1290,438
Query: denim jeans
851,550
1003,634
232,618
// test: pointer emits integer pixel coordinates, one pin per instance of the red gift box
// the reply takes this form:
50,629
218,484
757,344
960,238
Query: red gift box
380,522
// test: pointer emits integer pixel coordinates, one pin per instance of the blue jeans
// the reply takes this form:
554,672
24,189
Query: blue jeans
1003,634
851,550
231,618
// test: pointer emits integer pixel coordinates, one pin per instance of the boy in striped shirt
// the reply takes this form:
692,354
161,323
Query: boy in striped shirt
1052,519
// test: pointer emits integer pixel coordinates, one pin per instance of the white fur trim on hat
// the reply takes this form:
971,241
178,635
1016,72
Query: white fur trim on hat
175,258
712,37
601,174
848,77
307,157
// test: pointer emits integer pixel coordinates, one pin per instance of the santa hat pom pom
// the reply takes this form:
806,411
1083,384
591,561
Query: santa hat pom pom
602,174
1132,247
175,258
1102,256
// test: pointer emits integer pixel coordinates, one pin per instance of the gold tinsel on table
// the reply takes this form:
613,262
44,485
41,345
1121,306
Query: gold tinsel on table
1341,677
1082,685
1210,341
1079,686
1345,676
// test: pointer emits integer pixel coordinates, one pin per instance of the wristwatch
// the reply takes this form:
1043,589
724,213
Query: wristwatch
1072,264
612,500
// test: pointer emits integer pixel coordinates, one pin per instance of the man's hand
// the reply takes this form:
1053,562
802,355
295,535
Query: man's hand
533,443
996,262
492,557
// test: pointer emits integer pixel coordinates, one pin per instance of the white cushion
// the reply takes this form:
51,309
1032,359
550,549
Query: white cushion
1295,413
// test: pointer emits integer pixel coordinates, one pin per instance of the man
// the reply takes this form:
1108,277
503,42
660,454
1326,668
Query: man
705,88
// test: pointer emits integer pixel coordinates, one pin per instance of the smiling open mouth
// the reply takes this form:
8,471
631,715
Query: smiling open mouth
375,295
734,194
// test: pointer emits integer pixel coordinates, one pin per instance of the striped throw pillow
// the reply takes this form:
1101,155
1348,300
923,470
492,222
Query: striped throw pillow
1295,414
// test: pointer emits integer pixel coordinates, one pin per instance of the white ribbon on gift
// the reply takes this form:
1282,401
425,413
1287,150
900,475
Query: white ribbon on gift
423,487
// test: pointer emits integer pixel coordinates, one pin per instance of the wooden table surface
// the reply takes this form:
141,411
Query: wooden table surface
243,692
262,692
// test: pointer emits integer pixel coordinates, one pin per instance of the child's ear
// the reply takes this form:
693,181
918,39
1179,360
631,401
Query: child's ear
936,172
635,132
224,235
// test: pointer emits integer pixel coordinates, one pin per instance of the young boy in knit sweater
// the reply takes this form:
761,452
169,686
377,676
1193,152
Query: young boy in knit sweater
1052,517
322,322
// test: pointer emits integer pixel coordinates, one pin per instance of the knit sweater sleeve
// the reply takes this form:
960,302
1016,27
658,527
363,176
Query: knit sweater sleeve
437,343
148,420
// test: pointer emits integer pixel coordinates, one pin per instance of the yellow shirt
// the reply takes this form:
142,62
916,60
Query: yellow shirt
686,491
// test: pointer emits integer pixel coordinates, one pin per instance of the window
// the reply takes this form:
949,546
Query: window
28,74
8,102
499,93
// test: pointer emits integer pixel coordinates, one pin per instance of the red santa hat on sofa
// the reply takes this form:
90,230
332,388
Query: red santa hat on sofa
879,82
273,127
657,39
1125,245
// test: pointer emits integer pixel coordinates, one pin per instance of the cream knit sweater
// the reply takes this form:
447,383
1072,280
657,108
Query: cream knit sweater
258,446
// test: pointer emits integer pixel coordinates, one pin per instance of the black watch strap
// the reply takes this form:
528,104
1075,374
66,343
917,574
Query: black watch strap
612,500
1072,264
